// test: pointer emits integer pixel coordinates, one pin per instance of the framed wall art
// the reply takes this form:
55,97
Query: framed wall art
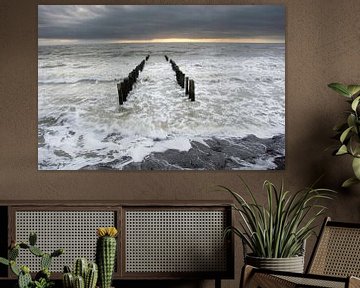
161,87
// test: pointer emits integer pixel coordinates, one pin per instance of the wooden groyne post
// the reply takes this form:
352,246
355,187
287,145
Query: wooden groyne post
183,81
192,90
127,84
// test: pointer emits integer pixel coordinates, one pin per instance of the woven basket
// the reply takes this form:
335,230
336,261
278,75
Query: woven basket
290,264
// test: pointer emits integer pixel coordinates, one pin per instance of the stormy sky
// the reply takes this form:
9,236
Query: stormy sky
122,23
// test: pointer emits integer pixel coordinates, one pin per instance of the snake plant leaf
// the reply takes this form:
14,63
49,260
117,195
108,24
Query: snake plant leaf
353,89
345,134
342,150
278,228
355,103
349,182
356,167
340,88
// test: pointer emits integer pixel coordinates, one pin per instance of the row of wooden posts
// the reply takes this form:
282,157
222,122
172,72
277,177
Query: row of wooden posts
127,84
182,80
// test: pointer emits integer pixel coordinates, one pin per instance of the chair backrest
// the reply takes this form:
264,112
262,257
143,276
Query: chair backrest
337,251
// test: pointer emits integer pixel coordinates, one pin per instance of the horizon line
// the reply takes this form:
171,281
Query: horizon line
45,41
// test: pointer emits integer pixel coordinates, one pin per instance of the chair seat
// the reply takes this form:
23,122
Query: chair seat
267,279
315,282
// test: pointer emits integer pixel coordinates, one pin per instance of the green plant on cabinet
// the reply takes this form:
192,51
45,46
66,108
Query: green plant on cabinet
348,132
42,278
279,228
106,254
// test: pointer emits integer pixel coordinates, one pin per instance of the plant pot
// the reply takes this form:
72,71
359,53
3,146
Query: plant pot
291,264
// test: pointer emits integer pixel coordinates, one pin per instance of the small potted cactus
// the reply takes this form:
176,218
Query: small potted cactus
42,278
84,275
106,254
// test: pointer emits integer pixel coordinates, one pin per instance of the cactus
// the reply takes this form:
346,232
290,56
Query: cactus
57,252
32,238
13,253
80,267
24,245
90,272
14,268
4,261
24,280
67,269
42,278
79,282
36,251
68,280
91,276
105,254
45,261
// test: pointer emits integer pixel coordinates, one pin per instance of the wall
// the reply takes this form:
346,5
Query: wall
323,40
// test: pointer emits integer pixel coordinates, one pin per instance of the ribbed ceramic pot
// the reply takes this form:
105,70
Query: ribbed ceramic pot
291,264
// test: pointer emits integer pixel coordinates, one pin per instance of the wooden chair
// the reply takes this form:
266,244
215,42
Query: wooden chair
334,263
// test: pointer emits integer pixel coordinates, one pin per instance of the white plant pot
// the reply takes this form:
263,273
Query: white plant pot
291,264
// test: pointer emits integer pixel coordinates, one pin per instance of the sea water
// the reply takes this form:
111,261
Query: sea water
240,90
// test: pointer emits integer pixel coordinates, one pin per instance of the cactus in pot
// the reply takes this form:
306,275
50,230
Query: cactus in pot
106,254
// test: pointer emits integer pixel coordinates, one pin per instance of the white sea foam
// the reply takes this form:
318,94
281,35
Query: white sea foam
239,91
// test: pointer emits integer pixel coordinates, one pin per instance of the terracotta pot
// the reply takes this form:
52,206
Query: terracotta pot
291,264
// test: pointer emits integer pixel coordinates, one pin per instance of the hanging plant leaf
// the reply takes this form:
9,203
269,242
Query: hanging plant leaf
351,120
354,145
355,103
345,134
342,150
340,88
356,167
349,182
353,89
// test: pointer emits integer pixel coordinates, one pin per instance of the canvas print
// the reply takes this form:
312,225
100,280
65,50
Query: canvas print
161,87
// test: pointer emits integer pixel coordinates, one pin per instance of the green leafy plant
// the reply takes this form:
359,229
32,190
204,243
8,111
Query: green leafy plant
279,229
43,283
42,278
349,132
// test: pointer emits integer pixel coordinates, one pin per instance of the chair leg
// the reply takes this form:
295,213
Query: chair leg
250,278
354,282
246,274
217,282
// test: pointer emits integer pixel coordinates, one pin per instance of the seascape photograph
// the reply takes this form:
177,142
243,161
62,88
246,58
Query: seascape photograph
161,87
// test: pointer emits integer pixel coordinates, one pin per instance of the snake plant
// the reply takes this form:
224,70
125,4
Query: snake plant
279,228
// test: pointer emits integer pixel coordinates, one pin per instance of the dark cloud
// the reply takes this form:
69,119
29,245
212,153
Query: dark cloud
145,22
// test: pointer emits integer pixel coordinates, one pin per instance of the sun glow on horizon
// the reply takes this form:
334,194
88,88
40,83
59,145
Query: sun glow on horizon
204,40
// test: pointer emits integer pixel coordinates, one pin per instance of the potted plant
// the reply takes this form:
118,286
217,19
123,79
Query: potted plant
348,132
276,233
